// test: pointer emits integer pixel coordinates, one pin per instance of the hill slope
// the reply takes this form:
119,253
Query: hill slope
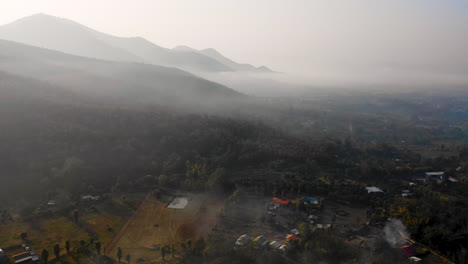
118,80
212,53
67,36
70,37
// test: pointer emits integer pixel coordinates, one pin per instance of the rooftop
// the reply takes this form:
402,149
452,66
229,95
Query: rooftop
373,189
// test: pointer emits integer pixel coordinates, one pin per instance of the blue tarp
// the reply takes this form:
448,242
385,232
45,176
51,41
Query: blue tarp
310,199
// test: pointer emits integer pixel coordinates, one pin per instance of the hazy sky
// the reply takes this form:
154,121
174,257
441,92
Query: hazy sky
313,36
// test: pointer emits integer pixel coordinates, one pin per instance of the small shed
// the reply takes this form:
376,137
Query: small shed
414,259
280,201
292,237
313,217
408,250
27,257
243,240
275,245
374,189
295,232
282,248
452,179
435,175
261,241
406,193
311,200
2,255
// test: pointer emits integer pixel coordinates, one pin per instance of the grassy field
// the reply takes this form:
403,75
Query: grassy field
102,223
154,225
43,234
116,222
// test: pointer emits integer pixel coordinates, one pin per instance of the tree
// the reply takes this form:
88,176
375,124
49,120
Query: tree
163,180
67,246
98,247
163,252
119,253
45,256
57,251
128,258
76,214
199,247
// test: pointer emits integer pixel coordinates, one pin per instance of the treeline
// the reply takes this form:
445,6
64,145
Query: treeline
72,147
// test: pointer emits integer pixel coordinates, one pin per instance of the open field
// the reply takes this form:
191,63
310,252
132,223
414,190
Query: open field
43,234
102,222
154,225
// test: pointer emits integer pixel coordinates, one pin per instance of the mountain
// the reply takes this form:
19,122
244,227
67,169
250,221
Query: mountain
70,37
67,36
62,35
212,53
122,81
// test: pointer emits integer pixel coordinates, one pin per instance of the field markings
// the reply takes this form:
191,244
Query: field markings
108,249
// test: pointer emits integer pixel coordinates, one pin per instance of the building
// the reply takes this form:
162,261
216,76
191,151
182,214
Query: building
408,250
274,245
406,193
292,237
3,256
90,198
452,179
311,200
28,257
374,189
414,259
261,241
280,201
282,248
295,232
435,176
242,241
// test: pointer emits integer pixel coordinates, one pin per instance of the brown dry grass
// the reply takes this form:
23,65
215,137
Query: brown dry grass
155,225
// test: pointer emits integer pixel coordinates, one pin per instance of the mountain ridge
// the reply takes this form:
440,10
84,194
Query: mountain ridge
123,81
71,37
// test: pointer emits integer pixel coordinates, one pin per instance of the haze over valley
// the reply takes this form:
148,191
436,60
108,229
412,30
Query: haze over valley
233,132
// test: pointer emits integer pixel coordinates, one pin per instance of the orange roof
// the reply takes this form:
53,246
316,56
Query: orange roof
292,237
280,201
408,250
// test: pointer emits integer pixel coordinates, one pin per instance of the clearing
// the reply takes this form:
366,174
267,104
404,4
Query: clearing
154,224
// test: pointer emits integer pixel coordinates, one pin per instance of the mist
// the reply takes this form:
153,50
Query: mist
319,43
233,131
395,233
